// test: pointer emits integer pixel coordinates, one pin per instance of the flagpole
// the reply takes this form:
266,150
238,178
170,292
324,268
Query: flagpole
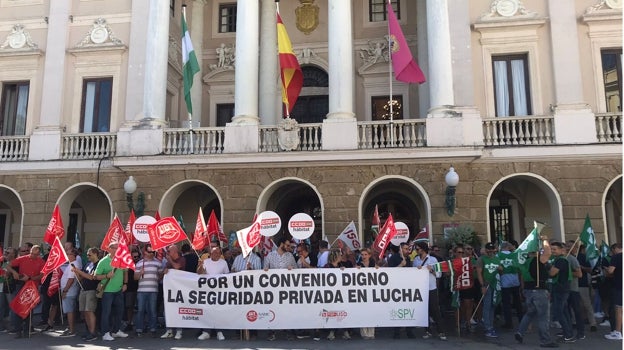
190,115
572,247
390,80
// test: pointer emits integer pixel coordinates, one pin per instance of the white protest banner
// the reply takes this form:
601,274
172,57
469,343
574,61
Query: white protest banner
307,298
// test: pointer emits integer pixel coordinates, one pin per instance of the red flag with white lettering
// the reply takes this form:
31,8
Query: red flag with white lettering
55,282
129,236
165,232
349,237
56,258
55,227
26,300
214,229
385,235
115,234
199,237
122,258
249,237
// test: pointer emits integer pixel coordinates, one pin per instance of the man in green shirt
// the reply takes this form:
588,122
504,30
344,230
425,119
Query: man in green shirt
488,269
114,282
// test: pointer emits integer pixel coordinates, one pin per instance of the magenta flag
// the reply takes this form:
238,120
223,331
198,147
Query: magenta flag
405,68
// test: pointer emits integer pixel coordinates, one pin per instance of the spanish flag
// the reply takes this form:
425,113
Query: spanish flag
292,77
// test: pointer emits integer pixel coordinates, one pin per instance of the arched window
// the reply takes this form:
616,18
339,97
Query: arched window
313,103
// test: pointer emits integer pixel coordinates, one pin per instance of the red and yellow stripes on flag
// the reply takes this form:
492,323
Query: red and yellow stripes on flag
292,77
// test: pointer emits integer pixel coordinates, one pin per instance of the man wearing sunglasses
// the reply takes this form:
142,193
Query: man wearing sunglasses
148,273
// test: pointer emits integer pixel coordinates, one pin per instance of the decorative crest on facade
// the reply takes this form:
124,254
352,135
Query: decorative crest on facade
18,39
288,134
306,55
375,52
226,55
604,5
174,53
100,34
307,16
507,9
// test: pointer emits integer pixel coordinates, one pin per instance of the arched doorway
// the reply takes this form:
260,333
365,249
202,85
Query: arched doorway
86,212
396,195
313,103
290,196
612,210
516,201
184,199
11,217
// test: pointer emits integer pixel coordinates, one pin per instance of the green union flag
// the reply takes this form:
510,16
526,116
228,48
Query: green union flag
529,245
589,240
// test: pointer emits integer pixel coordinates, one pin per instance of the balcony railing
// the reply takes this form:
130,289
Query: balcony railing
309,138
88,146
609,127
205,141
14,148
518,131
410,133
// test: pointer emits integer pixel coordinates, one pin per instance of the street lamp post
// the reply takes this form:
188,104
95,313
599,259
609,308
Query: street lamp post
452,179
130,186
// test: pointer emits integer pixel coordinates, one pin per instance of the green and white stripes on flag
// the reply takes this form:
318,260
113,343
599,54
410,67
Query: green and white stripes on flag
190,66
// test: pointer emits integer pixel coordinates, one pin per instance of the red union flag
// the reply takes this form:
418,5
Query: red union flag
55,282
55,227
26,300
115,234
199,237
461,272
122,258
385,236
249,237
266,246
56,258
214,229
129,236
165,232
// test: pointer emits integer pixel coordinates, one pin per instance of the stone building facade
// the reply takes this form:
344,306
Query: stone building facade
553,155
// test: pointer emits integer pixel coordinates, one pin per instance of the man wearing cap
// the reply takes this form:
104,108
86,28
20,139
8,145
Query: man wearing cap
114,281
423,259
488,269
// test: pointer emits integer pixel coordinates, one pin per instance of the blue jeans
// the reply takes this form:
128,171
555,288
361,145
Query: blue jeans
488,309
537,306
112,311
146,303
559,305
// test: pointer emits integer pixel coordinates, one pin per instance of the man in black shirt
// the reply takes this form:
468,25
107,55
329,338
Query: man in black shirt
615,270
537,299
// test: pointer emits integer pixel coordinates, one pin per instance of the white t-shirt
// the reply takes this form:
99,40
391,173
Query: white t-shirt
218,267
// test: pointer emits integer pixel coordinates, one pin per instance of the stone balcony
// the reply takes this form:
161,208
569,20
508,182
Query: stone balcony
375,135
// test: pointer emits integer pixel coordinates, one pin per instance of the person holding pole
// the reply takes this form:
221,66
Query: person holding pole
87,300
29,267
488,269
114,282
69,294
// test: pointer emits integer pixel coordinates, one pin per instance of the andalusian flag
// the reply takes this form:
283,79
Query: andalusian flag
190,66
292,77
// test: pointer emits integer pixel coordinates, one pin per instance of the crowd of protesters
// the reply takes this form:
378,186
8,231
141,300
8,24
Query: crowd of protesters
560,289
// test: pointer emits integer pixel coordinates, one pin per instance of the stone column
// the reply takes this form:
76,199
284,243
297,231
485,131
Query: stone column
423,57
340,127
136,62
241,135
197,35
269,76
440,67
149,123
573,117
45,142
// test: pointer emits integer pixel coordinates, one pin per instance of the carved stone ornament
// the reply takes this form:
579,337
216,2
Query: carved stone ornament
504,9
605,5
18,39
99,35
376,52
174,53
288,134
226,56
307,16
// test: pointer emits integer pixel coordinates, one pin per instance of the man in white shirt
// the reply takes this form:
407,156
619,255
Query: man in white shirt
212,267
424,260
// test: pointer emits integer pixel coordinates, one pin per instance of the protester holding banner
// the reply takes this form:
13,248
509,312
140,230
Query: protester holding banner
323,254
29,267
87,301
423,259
281,258
335,262
148,273
175,261
213,267
113,282
366,260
